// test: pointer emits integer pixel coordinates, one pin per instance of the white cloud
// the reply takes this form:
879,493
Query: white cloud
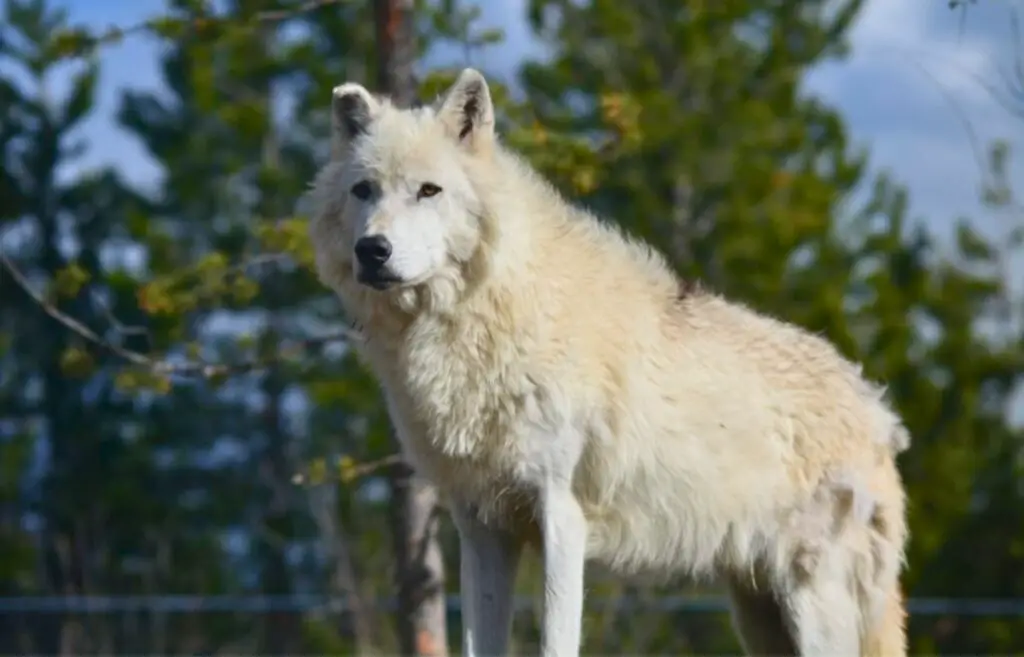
914,91
917,90
908,35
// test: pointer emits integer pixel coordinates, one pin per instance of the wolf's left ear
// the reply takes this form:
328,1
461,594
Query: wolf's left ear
352,110
466,111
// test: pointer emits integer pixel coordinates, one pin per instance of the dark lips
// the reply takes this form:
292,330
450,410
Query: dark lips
376,280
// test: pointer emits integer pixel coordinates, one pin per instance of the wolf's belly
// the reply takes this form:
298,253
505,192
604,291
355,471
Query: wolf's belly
661,508
638,538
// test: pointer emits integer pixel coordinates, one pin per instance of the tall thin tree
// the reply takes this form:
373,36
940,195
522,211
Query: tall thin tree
419,564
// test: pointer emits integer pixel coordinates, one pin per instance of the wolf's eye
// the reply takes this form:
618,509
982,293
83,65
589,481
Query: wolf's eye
427,190
362,190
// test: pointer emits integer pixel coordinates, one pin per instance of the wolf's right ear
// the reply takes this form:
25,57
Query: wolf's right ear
352,110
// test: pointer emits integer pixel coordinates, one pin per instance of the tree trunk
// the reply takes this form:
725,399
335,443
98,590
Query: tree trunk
63,561
421,617
323,502
282,630
396,49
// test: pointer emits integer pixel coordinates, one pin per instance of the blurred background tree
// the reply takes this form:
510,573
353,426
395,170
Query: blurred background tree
180,414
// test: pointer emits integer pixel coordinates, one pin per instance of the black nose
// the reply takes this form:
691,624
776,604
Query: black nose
373,251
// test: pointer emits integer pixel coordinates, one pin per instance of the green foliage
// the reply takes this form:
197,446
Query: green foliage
686,123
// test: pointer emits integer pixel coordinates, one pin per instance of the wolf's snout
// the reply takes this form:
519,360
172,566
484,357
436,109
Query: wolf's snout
373,251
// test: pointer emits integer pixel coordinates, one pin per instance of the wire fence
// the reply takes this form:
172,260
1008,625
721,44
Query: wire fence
170,604
296,625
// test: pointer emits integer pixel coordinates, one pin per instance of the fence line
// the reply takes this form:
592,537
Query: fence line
174,604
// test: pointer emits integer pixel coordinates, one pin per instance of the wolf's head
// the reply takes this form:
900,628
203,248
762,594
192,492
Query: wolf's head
396,206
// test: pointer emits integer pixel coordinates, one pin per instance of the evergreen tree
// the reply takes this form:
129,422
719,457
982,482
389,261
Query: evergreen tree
81,453
226,377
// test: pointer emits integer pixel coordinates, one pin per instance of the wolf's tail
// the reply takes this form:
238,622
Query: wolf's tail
883,626
887,636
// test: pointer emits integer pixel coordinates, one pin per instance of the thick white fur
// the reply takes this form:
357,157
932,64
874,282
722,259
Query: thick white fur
559,385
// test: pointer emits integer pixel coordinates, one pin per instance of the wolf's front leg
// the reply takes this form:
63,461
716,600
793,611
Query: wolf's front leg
489,560
565,540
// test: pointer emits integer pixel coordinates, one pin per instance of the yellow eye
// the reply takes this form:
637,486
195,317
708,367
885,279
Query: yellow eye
427,190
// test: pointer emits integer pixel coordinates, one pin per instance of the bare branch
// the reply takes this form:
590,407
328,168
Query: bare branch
957,108
366,469
70,322
120,327
350,472
157,366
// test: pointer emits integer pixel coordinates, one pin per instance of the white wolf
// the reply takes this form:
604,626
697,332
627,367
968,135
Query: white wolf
561,387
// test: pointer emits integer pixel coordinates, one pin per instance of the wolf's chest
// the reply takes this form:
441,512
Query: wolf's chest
471,415
466,435
465,396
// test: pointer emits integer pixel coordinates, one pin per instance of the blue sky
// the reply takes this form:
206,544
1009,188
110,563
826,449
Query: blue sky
912,92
